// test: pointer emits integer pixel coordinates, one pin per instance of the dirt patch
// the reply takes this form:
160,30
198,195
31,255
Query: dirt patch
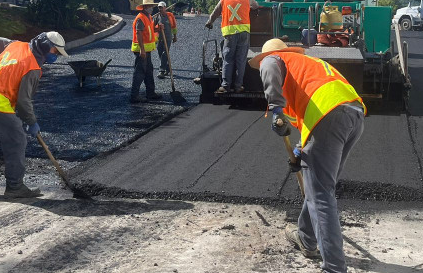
15,25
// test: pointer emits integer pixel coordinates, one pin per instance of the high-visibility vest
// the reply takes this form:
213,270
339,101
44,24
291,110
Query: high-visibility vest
172,21
235,16
312,88
15,62
148,37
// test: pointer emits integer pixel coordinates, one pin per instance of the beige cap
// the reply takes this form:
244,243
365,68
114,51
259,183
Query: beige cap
273,45
57,40
144,3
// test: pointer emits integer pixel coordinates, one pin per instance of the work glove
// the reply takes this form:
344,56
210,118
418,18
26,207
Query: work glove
33,129
209,25
296,167
284,129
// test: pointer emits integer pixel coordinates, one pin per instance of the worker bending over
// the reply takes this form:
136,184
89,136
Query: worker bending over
315,98
167,19
20,72
236,33
143,43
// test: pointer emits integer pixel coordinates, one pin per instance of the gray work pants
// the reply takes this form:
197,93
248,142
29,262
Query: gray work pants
13,144
234,53
161,49
323,159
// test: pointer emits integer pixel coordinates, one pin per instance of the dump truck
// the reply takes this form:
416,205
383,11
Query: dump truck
367,60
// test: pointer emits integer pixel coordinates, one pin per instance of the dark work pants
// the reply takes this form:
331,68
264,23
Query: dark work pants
164,64
13,144
143,72
323,159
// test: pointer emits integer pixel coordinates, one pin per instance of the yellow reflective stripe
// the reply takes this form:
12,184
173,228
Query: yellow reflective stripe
232,29
234,12
5,62
291,119
150,47
135,47
147,47
326,98
5,106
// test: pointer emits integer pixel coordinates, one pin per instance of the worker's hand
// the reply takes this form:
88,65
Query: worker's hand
280,122
33,129
296,166
160,27
175,39
143,55
209,25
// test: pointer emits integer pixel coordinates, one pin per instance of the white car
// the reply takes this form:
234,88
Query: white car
409,17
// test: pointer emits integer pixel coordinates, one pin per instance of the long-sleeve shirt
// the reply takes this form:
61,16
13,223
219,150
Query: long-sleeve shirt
272,73
28,86
218,10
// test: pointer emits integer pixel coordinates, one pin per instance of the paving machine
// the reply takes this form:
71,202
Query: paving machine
366,56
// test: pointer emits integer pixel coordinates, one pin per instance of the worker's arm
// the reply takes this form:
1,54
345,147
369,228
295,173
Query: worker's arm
216,13
272,73
4,42
254,4
139,28
27,88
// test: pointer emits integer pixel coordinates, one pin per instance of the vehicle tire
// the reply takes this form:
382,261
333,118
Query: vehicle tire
406,24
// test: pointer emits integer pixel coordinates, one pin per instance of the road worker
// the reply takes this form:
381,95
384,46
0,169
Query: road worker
236,32
315,98
143,43
169,23
20,72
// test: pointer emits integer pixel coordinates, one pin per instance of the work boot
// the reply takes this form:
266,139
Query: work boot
161,75
137,99
22,192
155,96
291,234
239,89
166,73
222,90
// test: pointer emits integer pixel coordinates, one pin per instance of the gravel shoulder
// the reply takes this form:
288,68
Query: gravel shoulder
56,233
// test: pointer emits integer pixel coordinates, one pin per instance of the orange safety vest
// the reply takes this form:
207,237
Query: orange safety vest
148,36
235,16
172,21
312,88
15,62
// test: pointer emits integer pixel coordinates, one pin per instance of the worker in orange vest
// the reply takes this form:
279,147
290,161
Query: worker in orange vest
315,98
143,43
169,23
20,72
236,33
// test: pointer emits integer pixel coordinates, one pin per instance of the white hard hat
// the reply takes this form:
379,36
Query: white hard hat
162,4
57,40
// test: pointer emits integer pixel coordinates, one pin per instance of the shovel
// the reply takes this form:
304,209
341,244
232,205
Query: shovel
175,95
288,147
77,193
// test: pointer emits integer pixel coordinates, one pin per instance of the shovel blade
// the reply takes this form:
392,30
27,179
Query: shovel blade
177,97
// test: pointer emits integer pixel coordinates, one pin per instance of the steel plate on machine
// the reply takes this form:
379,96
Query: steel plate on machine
336,54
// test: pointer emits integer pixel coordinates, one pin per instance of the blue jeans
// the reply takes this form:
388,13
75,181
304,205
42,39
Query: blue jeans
13,144
143,72
234,53
323,159
164,64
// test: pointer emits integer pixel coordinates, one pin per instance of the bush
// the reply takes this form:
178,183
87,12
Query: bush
61,13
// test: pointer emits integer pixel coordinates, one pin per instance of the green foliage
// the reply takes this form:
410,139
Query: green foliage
395,4
9,26
61,13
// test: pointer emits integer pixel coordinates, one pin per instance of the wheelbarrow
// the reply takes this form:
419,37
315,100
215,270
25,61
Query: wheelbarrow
90,68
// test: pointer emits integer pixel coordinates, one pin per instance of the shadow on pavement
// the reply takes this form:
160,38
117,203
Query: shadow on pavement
371,262
84,208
